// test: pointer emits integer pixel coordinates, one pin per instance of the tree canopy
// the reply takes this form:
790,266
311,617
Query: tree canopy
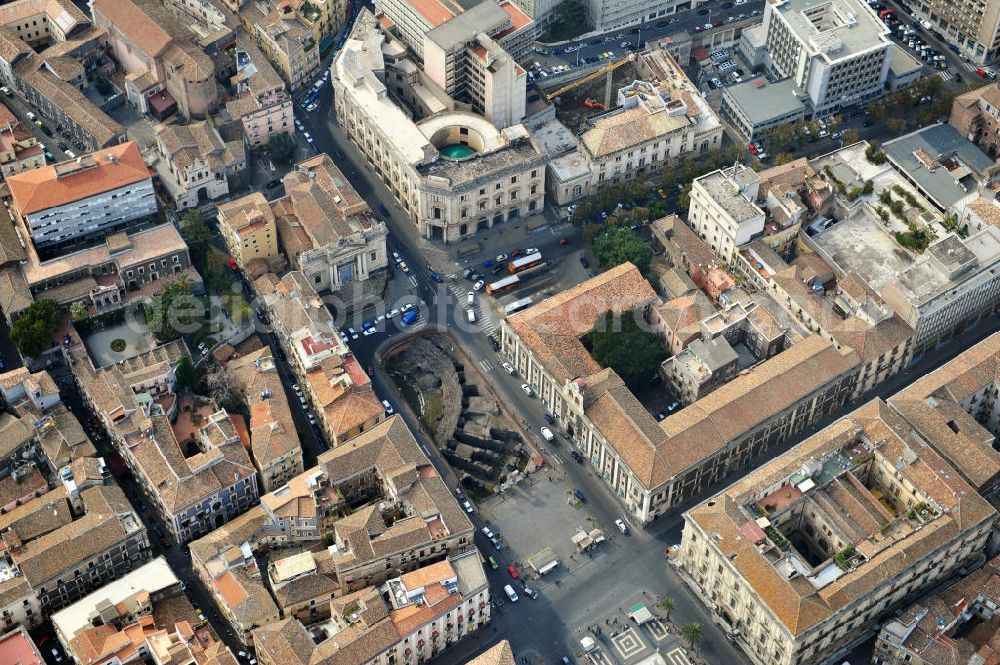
619,245
618,342
33,331
173,311
282,148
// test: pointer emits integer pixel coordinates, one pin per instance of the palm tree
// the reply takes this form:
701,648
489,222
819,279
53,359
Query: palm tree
691,632
666,605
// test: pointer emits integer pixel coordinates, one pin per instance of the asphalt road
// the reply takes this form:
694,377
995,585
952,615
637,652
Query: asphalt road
689,20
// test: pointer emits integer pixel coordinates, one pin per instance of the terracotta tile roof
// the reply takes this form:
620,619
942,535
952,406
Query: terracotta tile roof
796,602
134,21
286,642
620,131
933,404
499,654
321,202
552,328
101,171
64,95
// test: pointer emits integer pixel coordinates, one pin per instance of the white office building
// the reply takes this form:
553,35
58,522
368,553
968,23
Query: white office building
835,51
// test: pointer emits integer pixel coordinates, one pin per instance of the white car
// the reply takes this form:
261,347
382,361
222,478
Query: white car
486,530
353,333
546,433
622,526
531,250
307,136
468,507
311,107
403,266
407,307
509,368
500,258
478,285
370,331
391,314
388,407
396,256
527,390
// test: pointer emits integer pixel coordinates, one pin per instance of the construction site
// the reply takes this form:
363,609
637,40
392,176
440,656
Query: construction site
591,94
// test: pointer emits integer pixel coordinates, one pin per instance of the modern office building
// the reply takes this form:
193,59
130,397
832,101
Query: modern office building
835,51
79,203
973,27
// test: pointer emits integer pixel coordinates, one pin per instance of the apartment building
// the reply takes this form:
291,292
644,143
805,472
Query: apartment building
77,204
378,499
19,149
453,172
195,488
115,605
835,51
248,229
166,70
939,287
418,614
657,119
51,53
215,27
948,168
331,378
973,27
63,555
37,424
303,585
287,40
651,466
17,646
976,116
327,230
944,626
274,439
801,558
723,209
262,103
197,165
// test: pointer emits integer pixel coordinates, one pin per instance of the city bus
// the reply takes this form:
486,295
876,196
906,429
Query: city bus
517,306
504,285
525,262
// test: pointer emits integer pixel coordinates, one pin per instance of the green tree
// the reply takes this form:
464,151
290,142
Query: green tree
78,311
621,245
173,311
657,210
895,125
195,233
782,158
570,20
667,605
282,148
877,111
851,135
33,331
618,342
684,200
184,372
691,632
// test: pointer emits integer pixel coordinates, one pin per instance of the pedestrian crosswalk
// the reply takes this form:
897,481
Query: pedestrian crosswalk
487,365
946,74
487,320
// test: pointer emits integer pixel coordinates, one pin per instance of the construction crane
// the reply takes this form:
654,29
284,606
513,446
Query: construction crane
608,70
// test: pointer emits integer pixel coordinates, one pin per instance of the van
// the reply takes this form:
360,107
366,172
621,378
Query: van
509,590
470,315
410,317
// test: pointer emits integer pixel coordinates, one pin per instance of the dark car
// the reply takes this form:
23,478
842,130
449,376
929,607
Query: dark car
63,146
584,262
48,132
494,344
436,276
576,456
516,253
549,419
579,496
498,268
